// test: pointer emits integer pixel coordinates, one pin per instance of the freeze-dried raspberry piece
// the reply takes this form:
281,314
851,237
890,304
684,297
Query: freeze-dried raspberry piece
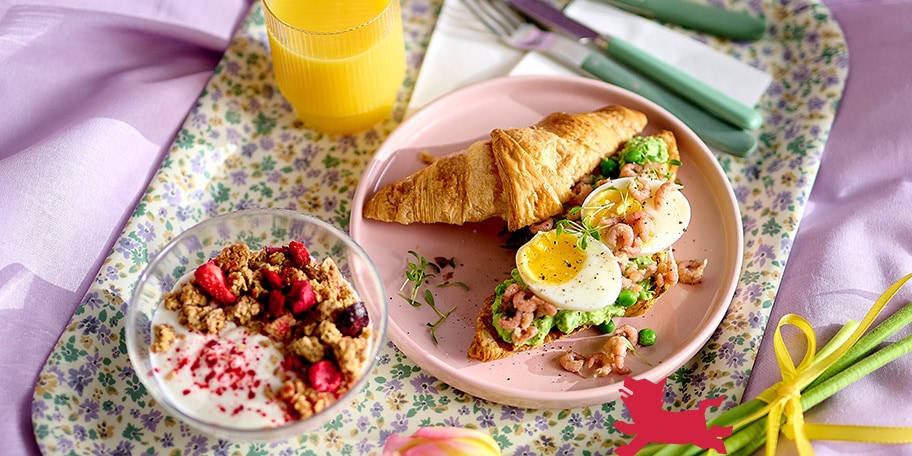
211,278
299,254
274,279
301,296
276,303
324,376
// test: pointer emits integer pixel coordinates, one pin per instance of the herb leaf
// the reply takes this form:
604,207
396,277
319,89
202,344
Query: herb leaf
417,273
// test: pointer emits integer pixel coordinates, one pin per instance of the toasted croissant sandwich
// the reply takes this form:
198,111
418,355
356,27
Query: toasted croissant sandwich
607,255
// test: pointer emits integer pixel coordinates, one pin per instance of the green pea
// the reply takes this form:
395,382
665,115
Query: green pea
627,298
606,327
646,337
609,167
634,156
645,294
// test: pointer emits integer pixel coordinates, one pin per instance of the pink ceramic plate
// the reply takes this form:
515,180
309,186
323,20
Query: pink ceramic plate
684,319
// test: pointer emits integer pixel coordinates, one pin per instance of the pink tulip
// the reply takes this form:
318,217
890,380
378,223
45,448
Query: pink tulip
442,441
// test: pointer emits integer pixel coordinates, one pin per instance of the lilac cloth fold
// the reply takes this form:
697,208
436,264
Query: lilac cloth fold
92,95
856,235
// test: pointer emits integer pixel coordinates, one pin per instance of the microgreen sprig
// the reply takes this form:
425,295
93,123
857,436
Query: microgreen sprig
583,228
419,273
429,298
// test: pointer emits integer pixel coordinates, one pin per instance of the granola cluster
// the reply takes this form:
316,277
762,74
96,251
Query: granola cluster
306,308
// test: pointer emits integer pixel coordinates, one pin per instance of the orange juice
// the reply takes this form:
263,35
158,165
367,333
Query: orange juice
340,63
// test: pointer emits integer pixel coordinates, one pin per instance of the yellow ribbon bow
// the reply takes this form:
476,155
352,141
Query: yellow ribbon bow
784,398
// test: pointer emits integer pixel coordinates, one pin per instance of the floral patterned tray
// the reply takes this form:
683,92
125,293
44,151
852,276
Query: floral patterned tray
241,147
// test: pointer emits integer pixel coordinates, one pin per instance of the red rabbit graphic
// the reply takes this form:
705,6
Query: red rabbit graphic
653,424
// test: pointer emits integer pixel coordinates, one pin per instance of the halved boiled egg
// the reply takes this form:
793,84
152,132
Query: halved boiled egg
560,269
624,200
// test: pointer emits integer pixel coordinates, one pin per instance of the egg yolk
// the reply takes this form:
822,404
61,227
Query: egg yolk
612,202
551,258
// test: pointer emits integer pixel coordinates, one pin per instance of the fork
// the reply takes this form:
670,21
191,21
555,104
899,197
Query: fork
509,26
515,31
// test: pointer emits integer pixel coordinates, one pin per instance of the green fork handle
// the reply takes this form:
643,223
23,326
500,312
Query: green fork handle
716,133
688,87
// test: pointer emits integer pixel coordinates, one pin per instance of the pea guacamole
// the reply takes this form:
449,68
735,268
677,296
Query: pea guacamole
639,150
564,320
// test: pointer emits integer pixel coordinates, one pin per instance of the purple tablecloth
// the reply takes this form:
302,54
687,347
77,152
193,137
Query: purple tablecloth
93,93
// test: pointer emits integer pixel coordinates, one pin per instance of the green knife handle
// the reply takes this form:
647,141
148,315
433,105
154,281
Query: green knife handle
735,25
699,93
716,133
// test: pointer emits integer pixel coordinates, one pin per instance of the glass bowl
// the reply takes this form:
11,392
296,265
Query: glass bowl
258,228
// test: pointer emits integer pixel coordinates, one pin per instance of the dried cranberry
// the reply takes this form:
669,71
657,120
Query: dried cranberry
352,319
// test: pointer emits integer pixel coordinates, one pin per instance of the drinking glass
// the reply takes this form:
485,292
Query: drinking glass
340,63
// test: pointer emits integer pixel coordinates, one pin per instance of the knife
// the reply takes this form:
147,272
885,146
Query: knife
716,133
684,85
717,21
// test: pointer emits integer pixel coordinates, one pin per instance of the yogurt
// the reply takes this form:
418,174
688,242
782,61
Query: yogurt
221,377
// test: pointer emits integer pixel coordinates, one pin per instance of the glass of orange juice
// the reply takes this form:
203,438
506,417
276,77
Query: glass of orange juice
339,63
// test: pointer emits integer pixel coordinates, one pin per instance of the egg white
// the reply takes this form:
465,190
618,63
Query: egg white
671,219
596,284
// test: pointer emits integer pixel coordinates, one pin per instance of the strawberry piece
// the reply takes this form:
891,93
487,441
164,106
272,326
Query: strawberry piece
272,278
302,296
299,254
276,303
324,376
212,279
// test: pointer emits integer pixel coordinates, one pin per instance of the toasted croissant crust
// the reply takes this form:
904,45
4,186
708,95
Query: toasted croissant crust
522,175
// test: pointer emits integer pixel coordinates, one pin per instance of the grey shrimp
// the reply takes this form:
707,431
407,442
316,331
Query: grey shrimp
572,361
611,358
643,224
639,188
666,273
602,363
520,335
544,225
691,271
630,170
529,303
619,237
662,193
579,192
629,332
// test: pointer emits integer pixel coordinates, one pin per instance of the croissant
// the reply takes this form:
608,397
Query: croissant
522,175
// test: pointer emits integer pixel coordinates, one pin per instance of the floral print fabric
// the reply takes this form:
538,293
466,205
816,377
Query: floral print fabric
241,147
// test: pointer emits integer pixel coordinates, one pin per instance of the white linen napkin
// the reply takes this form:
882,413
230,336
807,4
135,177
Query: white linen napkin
462,52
